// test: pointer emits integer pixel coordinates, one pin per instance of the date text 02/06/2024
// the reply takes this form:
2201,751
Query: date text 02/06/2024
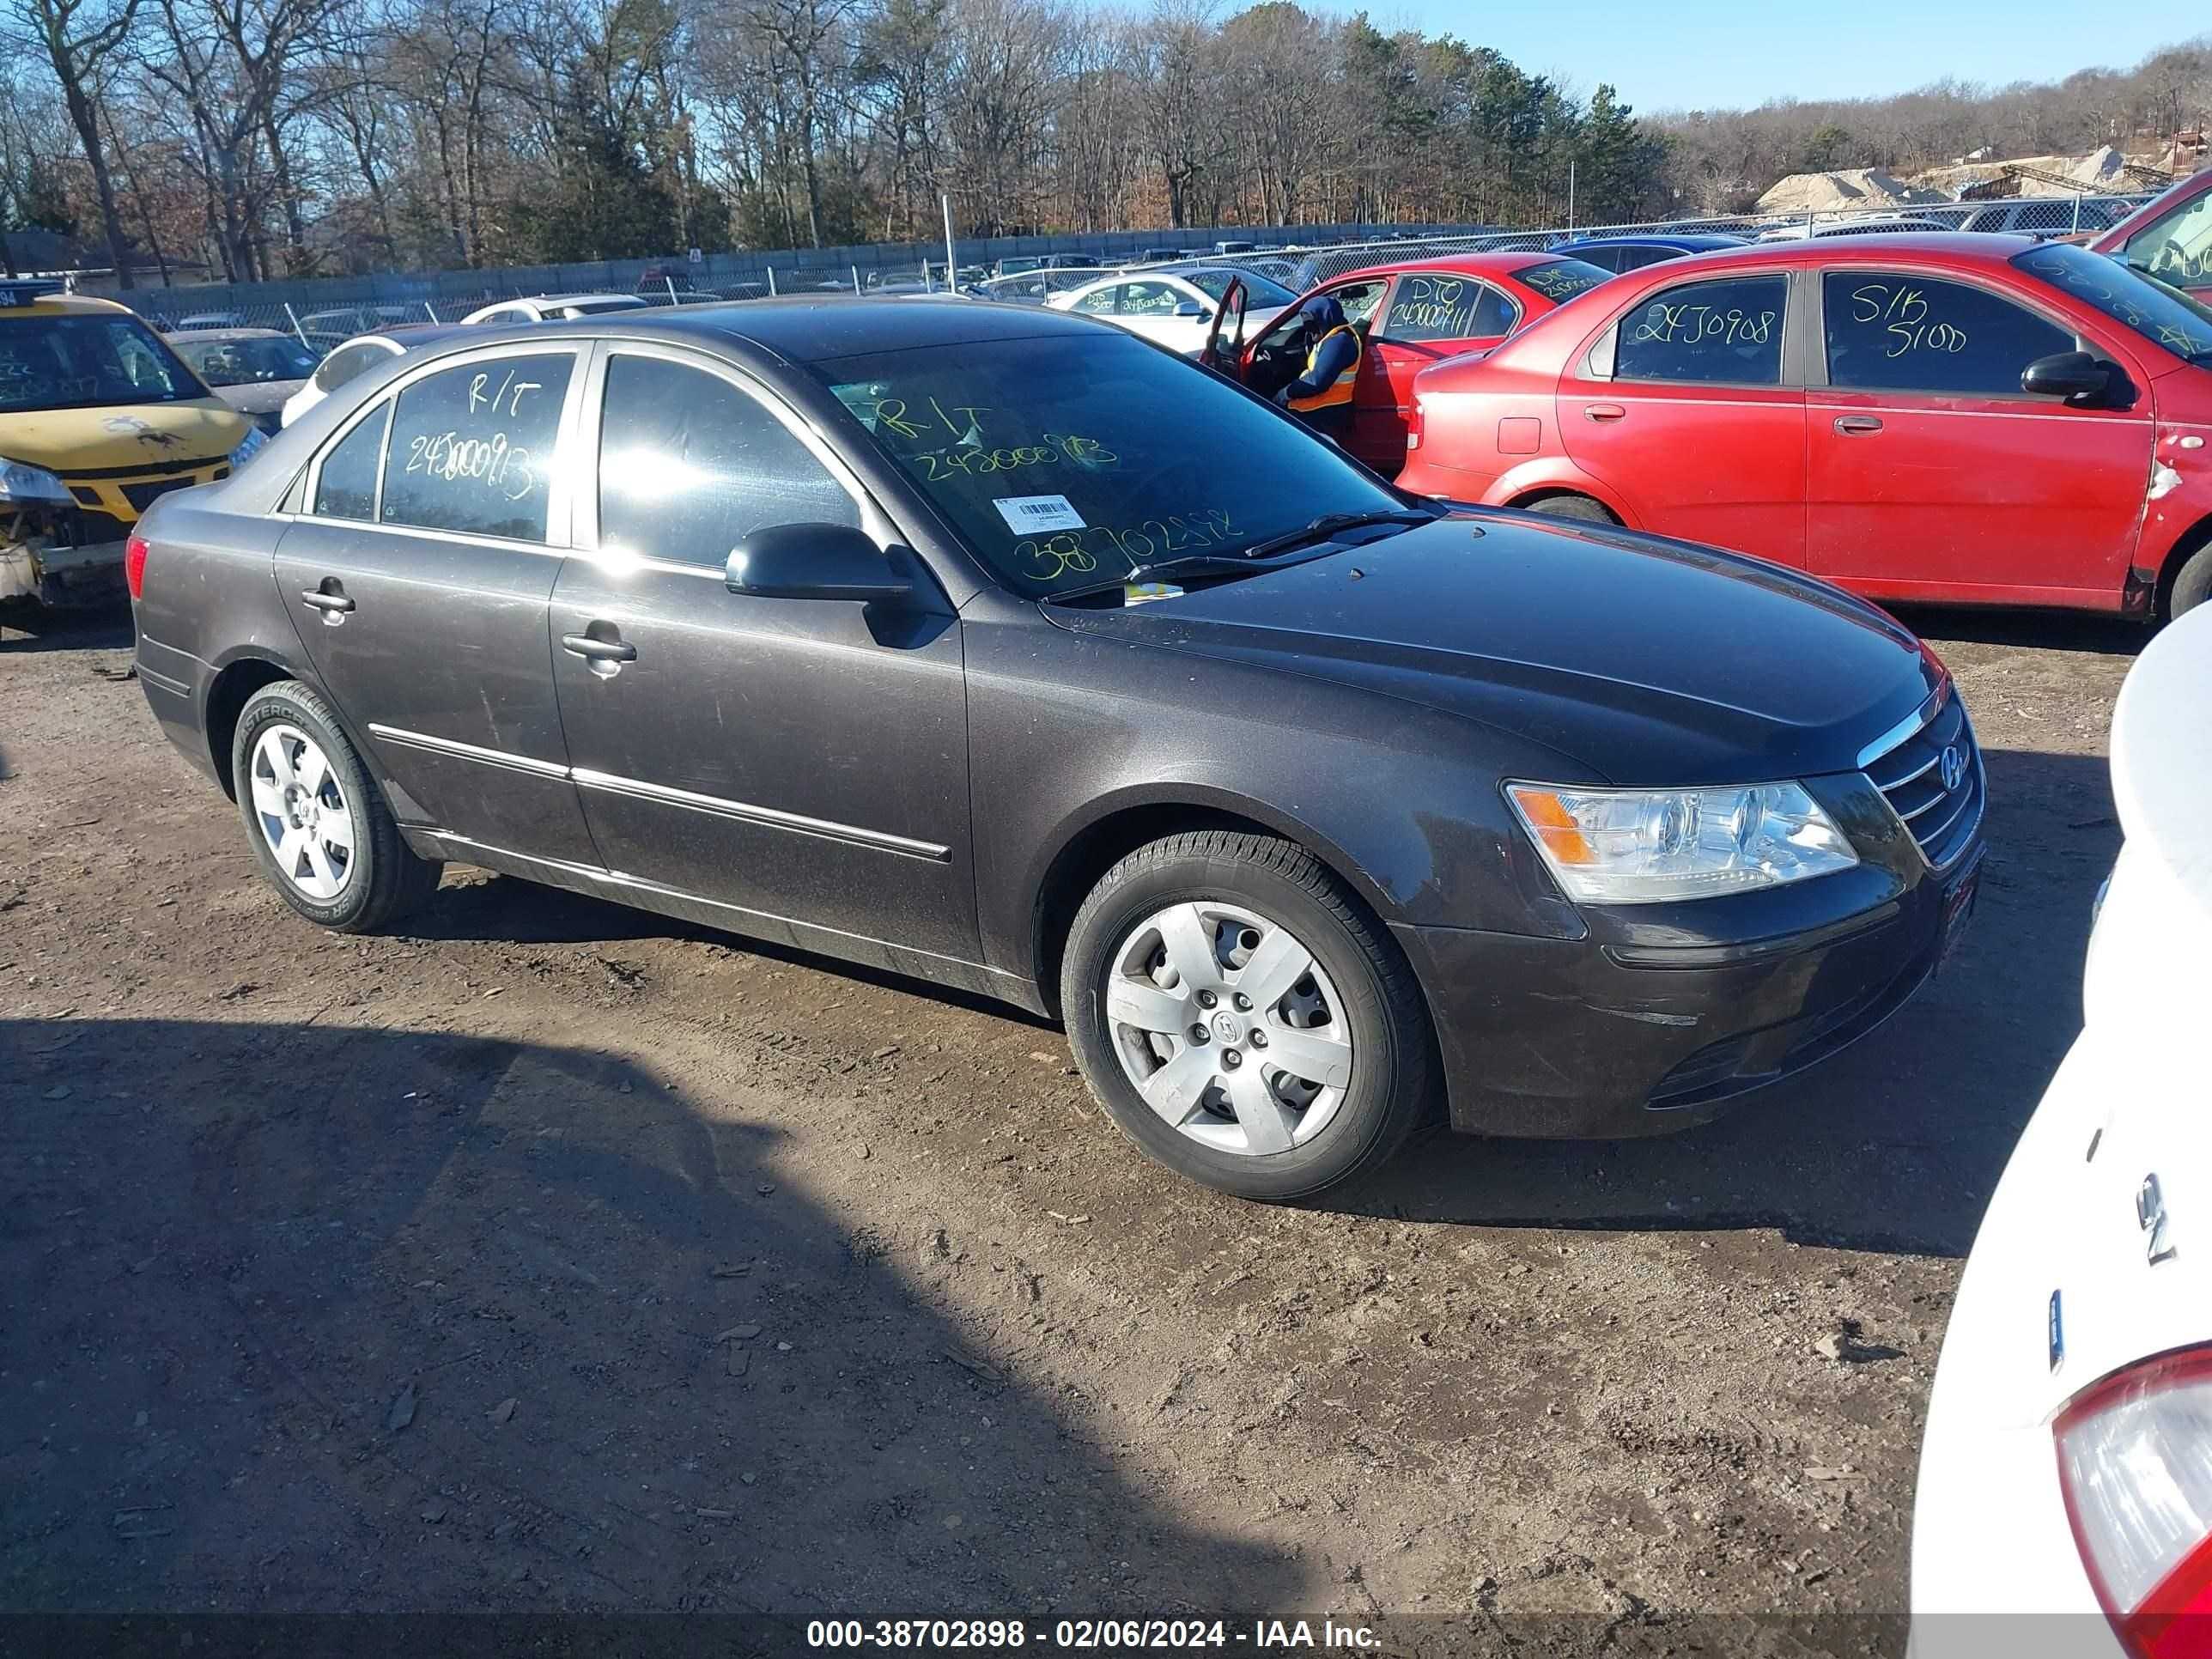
928,1635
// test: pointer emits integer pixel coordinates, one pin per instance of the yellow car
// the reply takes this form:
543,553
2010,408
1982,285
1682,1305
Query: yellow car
98,416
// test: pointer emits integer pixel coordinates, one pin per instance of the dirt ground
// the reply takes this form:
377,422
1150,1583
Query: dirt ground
557,1257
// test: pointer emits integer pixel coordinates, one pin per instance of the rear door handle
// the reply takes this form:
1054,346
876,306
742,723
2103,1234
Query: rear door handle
1604,412
592,649
1856,426
330,599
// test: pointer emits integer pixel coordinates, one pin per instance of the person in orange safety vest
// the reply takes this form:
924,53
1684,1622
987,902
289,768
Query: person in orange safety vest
1322,397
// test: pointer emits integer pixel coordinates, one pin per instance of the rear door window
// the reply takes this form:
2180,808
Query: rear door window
1439,306
1099,302
471,446
346,486
1895,332
690,465
1727,331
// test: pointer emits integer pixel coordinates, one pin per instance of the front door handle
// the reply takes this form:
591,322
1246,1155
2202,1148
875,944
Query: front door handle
1604,412
1856,426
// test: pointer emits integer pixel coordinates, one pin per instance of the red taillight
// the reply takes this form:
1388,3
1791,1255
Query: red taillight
134,566
1414,428
2134,1464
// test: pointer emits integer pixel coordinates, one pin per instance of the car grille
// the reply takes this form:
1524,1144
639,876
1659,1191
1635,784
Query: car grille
1942,817
143,495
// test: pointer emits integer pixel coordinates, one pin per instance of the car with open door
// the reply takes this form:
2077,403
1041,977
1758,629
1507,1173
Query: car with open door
1174,306
1410,316
2169,237
1963,418
999,648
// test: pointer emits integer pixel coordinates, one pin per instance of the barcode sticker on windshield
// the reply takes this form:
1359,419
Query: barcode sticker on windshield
1024,513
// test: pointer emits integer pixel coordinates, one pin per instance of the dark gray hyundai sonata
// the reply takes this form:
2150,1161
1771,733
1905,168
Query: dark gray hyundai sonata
1000,648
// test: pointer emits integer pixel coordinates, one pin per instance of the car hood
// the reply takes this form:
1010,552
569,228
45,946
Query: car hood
258,397
1648,661
71,441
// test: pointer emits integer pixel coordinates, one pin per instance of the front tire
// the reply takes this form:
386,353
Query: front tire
317,822
1243,1019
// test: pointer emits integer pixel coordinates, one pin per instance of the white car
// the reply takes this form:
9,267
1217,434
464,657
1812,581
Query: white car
554,308
355,357
2067,1466
1874,224
1175,307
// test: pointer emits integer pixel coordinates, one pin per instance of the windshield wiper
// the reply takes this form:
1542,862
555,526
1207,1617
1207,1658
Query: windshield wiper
1328,524
1190,564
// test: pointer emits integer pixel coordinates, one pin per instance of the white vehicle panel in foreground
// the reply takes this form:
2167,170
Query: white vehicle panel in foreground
2072,1276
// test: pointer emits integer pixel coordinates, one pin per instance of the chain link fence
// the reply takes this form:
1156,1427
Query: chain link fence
321,313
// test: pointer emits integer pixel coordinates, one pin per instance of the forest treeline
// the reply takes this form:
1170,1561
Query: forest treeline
245,139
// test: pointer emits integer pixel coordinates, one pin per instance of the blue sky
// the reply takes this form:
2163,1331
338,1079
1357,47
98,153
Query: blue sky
1666,54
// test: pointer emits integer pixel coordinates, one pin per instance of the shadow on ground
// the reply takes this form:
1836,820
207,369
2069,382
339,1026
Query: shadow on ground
27,628
297,1318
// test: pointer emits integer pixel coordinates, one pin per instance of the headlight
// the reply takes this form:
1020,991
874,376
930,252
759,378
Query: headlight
28,485
1649,846
250,444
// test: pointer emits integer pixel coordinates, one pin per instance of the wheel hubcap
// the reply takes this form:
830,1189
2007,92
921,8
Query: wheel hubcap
304,816
1228,1028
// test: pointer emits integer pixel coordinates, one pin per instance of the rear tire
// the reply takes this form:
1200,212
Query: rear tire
1317,1076
1575,507
316,820
2192,583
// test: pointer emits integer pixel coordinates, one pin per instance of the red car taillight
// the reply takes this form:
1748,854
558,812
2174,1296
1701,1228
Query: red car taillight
134,566
1414,428
2135,1463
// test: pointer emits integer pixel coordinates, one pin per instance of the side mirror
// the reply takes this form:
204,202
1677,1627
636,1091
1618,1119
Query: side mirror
1189,308
812,562
2075,376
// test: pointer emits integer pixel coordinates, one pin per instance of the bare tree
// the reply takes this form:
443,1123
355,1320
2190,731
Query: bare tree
76,38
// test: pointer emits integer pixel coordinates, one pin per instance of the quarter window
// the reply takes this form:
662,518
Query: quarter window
1149,300
472,447
690,466
1100,301
1727,332
1888,330
1438,306
346,487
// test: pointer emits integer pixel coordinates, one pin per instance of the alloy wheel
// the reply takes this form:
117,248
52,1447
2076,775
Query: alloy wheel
304,815
1228,1028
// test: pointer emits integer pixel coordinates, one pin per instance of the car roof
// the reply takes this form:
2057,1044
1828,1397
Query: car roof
1499,262
1695,241
811,328
1980,247
569,299
405,336
229,334
70,304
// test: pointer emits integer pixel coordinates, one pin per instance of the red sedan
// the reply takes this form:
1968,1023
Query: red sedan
1974,419
2170,236
1428,310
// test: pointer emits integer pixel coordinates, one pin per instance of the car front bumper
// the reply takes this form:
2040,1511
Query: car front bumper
1639,1028
56,574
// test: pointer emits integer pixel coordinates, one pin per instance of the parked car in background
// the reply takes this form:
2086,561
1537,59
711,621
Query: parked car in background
1962,419
1174,305
1153,256
255,370
656,284
554,308
2066,1468
1870,224
1539,780
353,358
336,325
1031,288
98,418
1619,253
1017,265
206,320
1233,247
2170,236
2046,216
1412,316
1070,262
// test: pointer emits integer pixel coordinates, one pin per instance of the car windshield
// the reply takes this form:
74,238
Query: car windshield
2165,316
1066,461
85,362
1560,280
1259,291
239,362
